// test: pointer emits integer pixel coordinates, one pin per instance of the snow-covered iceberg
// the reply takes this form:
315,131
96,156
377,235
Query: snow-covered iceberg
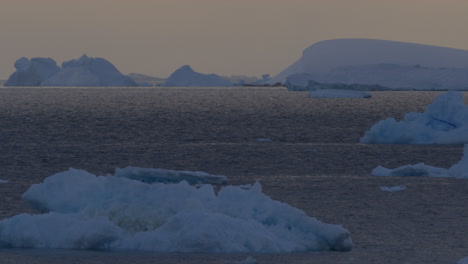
82,210
334,93
150,175
391,64
458,170
32,72
445,121
186,76
84,71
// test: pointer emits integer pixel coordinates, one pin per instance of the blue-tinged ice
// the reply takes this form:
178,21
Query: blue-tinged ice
32,72
458,170
445,121
185,76
150,175
121,213
85,71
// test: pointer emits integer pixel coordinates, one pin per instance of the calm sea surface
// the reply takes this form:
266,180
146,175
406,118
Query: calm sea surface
313,162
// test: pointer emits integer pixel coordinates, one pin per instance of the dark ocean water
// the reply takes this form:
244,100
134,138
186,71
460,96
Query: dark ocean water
313,162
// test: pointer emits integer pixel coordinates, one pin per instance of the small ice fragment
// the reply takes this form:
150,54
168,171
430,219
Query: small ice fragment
393,188
264,140
3,181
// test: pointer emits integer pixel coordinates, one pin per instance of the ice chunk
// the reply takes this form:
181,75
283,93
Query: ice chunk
186,76
445,121
458,170
149,175
334,93
55,230
463,261
119,213
393,188
3,181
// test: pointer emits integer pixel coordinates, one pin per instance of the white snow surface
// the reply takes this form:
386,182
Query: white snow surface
82,210
458,170
445,121
185,76
334,93
150,175
84,71
387,63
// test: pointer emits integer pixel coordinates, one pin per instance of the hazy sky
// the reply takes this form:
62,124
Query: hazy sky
226,37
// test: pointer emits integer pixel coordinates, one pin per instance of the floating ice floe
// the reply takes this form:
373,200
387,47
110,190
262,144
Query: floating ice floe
393,188
264,140
185,76
459,170
463,261
82,210
149,175
334,93
445,121
3,181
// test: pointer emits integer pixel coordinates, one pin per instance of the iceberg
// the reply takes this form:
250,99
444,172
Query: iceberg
391,64
82,210
32,72
150,175
445,121
185,76
87,71
84,71
458,170
334,93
